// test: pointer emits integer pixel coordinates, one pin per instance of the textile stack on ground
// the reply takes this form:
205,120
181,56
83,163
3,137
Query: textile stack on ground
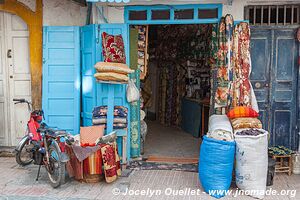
120,116
90,161
232,95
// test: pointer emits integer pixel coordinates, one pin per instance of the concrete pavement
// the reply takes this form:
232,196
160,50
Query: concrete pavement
19,183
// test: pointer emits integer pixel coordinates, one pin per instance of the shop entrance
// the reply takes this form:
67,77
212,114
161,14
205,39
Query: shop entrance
175,90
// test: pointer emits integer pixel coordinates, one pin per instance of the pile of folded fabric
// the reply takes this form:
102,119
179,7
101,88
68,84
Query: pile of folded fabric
242,117
113,69
89,161
120,116
114,72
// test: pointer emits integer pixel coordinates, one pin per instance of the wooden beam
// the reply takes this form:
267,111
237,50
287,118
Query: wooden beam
34,20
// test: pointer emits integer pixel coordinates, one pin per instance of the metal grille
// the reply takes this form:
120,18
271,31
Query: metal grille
271,15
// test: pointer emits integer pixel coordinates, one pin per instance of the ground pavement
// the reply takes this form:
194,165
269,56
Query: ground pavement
19,183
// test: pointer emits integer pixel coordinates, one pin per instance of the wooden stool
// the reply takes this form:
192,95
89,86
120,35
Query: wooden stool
281,166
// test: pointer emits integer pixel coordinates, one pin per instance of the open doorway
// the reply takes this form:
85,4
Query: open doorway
176,88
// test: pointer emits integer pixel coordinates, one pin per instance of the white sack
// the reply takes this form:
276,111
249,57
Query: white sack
252,163
132,93
220,122
219,127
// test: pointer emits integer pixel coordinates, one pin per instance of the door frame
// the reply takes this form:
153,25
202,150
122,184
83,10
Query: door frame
148,21
279,27
34,21
9,70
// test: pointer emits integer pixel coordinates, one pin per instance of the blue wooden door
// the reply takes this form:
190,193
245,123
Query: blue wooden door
90,53
93,93
260,75
274,54
284,87
101,94
61,77
115,92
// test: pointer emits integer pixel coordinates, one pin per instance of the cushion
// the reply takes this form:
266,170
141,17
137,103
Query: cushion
242,111
111,76
113,67
113,48
246,122
89,135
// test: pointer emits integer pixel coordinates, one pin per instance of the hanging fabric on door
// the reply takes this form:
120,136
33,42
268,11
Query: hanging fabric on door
214,46
134,107
244,63
241,66
224,65
233,67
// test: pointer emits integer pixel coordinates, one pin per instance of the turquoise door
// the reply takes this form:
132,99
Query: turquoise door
101,94
61,77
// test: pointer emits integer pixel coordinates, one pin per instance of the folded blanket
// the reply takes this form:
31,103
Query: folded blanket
113,67
245,122
102,120
111,76
100,111
115,125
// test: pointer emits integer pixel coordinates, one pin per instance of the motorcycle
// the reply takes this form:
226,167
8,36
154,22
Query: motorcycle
43,145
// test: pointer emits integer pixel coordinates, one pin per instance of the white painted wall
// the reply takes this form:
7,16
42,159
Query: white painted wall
60,12
115,12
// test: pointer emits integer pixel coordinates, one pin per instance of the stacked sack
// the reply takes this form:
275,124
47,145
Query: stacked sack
115,72
217,156
251,151
120,116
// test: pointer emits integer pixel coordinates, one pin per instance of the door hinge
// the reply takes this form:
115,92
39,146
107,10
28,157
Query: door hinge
98,34
9,54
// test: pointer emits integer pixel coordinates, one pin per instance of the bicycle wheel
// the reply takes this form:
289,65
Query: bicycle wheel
55,168
23,157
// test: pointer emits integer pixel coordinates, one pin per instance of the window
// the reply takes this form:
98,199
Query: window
184,14
138,15
173,14
273,15
207,13
160,14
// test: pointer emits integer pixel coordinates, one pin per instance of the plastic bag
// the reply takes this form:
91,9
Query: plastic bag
252,163
133,93
216,165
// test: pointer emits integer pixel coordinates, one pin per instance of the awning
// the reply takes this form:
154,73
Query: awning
109,1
